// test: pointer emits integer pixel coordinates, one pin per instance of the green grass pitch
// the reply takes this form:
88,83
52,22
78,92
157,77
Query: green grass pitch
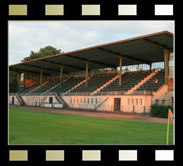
35,127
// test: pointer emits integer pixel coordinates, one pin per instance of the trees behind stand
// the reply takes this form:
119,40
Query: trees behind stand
43,52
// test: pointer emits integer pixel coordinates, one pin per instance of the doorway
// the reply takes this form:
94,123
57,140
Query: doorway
50,100
117,104
13,100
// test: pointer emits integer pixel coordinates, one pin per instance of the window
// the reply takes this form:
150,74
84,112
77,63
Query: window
136,101
132,101
96,100
71,100
88,100
156,101
50,100
128,101
92,100
74,100
140,101
81,100
163,102
84,100
77,100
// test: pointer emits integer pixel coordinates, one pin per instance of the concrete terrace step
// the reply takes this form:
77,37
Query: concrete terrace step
77,85
141,82
104,85
54,86
37,87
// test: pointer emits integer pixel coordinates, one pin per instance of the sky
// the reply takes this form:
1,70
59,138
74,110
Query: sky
27,36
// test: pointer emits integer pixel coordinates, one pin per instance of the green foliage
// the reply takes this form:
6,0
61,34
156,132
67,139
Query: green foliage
37,127
13,82
43,52
160,111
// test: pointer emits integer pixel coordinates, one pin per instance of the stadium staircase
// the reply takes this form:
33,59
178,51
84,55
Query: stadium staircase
42,101
47,86
102,103
141,83
104,85
29,89
33,90
68,84
129,80
154,83
55,86
20,99
94,83
61,100
80,83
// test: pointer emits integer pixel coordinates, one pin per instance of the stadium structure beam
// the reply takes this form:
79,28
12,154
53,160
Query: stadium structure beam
61,72
157,45
86,84
92,62
124,56
120,71
68,66
166,66
45,69
21,71
24,79
150,67
18,80
41,76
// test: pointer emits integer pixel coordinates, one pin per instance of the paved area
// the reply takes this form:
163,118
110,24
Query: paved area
140,117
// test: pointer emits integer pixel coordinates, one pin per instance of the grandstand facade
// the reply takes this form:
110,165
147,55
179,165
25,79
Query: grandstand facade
98,78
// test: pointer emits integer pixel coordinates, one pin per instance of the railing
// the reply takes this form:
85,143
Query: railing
12,94
87,93
135,109
37,94
78,93
112,93
142,93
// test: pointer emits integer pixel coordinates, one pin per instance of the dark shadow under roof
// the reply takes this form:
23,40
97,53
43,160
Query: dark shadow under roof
144,49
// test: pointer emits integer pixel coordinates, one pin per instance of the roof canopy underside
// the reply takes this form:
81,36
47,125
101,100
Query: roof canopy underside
140,50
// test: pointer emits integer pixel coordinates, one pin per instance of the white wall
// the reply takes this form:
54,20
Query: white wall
129,103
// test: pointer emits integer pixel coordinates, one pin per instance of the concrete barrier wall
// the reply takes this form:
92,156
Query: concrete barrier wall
36,100
129,103
16,102
163,95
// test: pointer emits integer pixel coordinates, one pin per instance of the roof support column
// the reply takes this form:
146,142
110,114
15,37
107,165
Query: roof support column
41,76
86,74
120,71
150,66
18,81
24,79
61,72
166,65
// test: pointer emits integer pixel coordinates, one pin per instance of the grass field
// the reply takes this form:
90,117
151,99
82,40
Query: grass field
36,127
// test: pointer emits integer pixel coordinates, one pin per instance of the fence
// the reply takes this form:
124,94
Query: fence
163,102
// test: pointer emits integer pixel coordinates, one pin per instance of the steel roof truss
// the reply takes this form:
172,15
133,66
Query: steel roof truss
89,61
117,54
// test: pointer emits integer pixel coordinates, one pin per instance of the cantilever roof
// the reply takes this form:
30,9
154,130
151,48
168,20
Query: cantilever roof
144,49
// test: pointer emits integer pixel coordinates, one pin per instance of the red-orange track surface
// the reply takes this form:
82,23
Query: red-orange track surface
98,114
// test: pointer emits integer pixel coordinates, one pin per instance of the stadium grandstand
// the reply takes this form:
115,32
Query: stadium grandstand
123,76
